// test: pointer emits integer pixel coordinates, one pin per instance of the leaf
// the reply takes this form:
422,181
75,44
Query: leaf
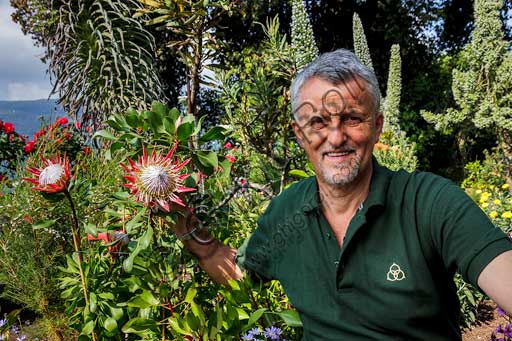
215,133
291,318
116,313
132,118
92,302
128,262
146,238
106,296
176,327
208,159
88,328
155,121
159,108
186,128
148,297
255,316
110,324
134,222
298,173
137,325
91,229
105,134
44,224
191,293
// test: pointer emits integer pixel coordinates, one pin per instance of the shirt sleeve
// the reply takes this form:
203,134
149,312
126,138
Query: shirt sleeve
464,235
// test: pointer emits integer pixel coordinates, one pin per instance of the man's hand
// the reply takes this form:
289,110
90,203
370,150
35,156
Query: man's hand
217,259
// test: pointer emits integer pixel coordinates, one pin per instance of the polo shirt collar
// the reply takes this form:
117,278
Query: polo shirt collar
379,184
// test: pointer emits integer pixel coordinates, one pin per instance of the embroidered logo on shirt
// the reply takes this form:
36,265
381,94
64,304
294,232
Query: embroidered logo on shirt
395,273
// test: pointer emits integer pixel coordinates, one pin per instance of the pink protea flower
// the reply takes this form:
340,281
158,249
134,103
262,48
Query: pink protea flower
155,180
53,177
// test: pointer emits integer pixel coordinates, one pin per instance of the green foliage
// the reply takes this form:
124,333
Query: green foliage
488,172
255,94
101,59
396,152
469,299
151,288
481,86
191,24
303,40
31,247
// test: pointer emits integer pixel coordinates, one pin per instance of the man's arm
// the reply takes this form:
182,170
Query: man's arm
496,280
217,259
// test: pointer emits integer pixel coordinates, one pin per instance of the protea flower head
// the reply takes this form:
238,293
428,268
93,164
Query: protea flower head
53,177
155,180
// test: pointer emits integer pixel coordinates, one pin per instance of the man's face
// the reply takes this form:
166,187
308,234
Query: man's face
337,126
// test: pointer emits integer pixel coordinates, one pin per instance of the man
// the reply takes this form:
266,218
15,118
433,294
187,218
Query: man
361,251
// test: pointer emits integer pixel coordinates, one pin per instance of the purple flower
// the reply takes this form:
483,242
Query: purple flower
255,331
248,337
500,311
273,333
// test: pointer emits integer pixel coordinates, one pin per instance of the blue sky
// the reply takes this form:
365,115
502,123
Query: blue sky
22,74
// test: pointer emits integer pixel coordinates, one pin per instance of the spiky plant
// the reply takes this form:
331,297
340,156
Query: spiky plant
360,43
102,59
303,40
393,90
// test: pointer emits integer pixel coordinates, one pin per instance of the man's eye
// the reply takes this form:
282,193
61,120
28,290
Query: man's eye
317,123
352,120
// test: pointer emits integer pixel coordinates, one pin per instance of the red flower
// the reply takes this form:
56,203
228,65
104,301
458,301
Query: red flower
61,121
38,133
54,177
29,146
1,125
8,127
107,237
155,180
228,145
78,125
231,159
67,136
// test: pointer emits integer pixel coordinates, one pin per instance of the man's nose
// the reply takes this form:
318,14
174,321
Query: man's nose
337,132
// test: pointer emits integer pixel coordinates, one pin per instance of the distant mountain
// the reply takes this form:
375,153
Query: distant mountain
26,115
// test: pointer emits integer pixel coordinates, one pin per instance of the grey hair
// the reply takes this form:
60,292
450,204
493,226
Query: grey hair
336,67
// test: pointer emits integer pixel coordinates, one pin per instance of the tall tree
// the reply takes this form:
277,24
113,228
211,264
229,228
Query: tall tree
482,87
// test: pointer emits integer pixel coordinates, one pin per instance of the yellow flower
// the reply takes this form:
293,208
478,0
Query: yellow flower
478,191
507,215
493,214
485,204
492,186
505,186
497,202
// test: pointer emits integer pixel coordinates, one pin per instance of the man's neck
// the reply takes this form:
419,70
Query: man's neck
344,199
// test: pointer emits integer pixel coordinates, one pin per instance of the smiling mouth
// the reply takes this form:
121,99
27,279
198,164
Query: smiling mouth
337,153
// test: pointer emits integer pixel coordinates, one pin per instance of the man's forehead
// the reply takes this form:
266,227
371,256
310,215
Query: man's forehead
317,88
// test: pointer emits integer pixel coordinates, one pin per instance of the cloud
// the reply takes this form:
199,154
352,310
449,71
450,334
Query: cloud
21,68
27,91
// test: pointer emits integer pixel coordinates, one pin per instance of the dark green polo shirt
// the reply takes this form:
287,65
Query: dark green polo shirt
393,277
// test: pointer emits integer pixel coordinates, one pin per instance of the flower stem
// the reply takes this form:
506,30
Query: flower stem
77,245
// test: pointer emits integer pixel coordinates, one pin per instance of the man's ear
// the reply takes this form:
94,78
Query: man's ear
299,134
